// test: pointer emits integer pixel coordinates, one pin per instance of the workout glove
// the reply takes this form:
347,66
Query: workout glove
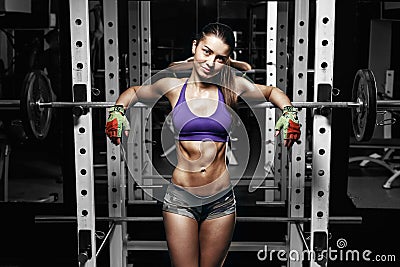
117,122
289,123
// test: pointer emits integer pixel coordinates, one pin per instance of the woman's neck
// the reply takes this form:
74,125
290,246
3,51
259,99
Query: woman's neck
201,83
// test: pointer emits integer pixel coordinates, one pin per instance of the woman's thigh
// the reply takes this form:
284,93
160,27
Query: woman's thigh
215,236
182,239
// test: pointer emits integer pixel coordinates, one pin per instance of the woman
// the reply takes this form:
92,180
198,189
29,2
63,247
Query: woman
199,206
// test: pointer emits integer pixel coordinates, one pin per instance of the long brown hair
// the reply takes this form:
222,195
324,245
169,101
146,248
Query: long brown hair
225,33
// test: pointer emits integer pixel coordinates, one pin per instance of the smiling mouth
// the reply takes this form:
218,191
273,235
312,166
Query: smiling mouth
207,70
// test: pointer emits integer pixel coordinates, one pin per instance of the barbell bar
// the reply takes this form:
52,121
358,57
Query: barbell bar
263,105
381,104
16,104
37,102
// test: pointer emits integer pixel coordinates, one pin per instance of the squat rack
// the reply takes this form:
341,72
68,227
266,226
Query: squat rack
137,155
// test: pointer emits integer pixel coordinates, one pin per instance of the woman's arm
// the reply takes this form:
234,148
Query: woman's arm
288,122
190,59
117,121
128,97
240,65
258,93
146,93
275,95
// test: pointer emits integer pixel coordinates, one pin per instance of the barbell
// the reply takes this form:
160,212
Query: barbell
37,102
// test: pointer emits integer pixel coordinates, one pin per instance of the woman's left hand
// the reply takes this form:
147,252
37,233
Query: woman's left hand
289,123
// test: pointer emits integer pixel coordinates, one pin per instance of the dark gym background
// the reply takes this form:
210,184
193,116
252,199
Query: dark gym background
24,243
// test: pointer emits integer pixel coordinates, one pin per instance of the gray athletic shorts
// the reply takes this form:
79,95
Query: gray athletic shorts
180,201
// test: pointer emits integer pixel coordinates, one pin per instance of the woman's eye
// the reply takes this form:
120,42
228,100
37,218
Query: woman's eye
207,52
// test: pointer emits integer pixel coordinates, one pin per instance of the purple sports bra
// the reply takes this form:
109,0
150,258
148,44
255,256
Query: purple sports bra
189,127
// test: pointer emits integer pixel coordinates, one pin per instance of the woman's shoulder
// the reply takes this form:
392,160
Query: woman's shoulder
171,81
242,83
169,84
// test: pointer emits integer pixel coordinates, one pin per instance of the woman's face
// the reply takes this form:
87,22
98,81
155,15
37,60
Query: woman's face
210,56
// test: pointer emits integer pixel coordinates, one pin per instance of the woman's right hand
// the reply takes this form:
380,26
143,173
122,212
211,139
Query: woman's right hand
116,123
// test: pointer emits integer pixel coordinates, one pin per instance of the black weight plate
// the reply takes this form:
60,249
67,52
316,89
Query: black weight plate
364,118
36,88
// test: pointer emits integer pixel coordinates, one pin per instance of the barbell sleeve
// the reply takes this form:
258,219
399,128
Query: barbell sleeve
388,104
10,103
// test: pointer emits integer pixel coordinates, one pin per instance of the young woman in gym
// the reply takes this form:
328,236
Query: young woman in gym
199,207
